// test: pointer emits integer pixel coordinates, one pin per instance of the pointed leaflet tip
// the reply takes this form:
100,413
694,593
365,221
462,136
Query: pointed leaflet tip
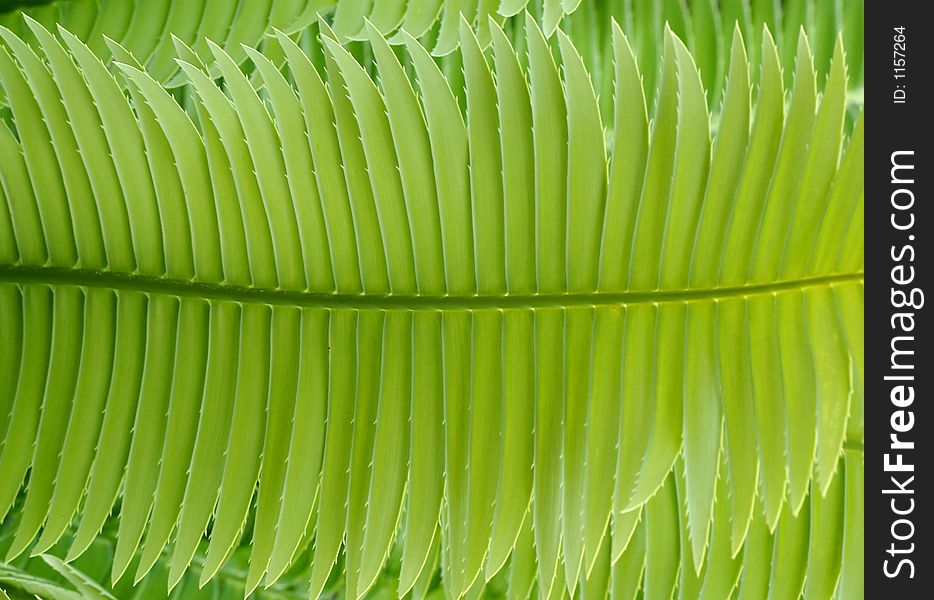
334,48
804,47
64,32
319,576
187,55
181,47
492,24
278,33
689,74
113,45
768,42
372,32
76,46
738,47
282,38
467,37
622,51
121,561
325,30
121,55
463,24
616,30
564,41
175,575
253,578
408,40
129,70
737,31
48,539
38,29
254,55
499,40
291,49
33,24
74,552
216,50
21,541
191,72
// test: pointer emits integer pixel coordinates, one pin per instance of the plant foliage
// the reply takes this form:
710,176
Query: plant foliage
705,25
455,324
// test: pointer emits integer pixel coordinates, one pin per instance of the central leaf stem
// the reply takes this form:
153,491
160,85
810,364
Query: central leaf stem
221,291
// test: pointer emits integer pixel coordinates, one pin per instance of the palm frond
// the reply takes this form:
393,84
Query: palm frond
647,560
308,295
704,25
88,577
146,29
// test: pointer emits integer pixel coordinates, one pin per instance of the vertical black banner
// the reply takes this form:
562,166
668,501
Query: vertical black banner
898,172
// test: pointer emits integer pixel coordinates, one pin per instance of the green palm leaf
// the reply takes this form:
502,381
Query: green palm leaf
146,28
494,338
706,27
88,576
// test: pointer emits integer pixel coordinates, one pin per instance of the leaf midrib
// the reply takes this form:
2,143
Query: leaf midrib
215,291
